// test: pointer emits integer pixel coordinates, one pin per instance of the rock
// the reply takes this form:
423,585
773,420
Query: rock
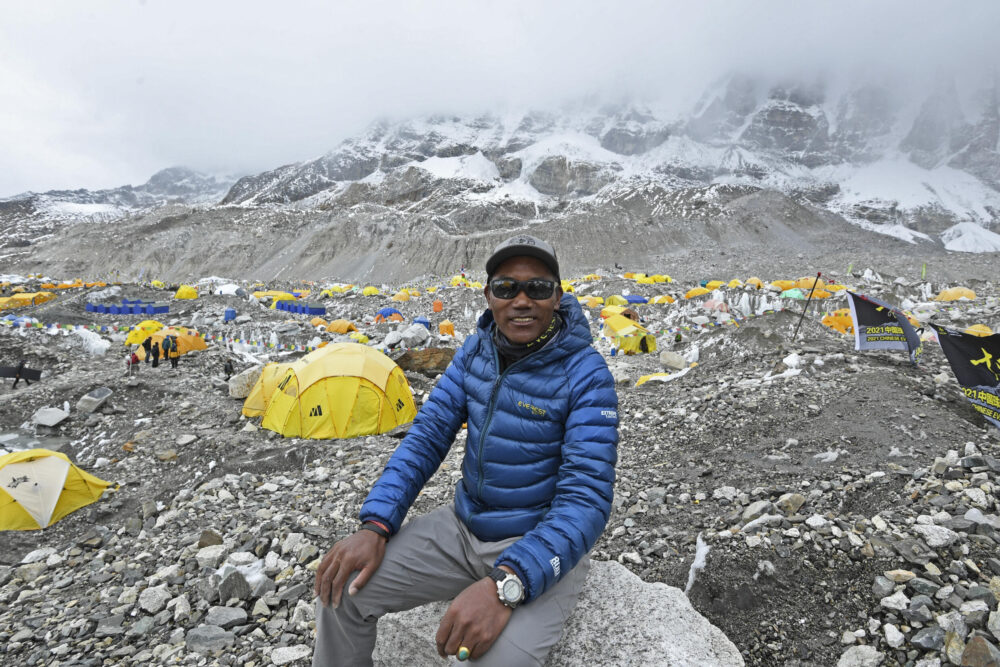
861,656
241,384
790,503
166,454
414,335
936,536
185,439
429,361
93,400
979,652
673,360
49,416
38,555
757,509
208,639
154,599
286,654
109,626
618,620
210,556
928,639
209,538
225,617
392,339
234,586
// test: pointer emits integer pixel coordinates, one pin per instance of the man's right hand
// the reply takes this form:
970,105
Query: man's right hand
364,551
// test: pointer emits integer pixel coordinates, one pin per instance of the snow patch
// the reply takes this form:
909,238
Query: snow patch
970,237
473,167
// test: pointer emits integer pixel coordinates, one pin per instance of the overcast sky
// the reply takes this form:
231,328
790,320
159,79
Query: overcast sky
99,93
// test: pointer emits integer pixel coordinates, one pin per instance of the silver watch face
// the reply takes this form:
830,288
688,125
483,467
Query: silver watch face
512,590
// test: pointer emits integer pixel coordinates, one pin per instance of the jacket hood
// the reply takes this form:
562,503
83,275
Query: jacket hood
575,332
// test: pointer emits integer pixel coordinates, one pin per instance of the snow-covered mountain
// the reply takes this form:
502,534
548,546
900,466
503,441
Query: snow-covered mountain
867,153
26,217
775,166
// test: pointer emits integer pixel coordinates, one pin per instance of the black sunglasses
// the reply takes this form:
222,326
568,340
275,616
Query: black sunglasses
538,289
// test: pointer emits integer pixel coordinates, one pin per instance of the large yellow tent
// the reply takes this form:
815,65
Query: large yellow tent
186,292
142,331
258,398
754,281
714,284
840,320
340,391
630,337
188,340
980,330
371,290
401,295
809,281
38,487
955,293
616,300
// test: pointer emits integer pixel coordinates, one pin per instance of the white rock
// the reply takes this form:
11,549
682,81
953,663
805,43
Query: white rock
816,521
38,555
211,556
241,558
286,654
936,536
897,601
49,416
893,636
153,600
861,656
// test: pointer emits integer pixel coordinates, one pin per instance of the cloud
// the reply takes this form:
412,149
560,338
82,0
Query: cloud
105,92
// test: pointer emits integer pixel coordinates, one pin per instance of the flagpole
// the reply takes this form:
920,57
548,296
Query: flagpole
802,316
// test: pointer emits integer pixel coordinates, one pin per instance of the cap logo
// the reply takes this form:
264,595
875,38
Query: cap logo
525,240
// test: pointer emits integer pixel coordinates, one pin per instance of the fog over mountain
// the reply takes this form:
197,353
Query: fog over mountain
100,94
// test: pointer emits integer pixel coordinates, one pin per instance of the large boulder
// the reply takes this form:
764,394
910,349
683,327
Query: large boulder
93,400
241,384
429,361
619,620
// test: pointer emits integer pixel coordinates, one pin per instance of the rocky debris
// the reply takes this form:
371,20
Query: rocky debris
859,486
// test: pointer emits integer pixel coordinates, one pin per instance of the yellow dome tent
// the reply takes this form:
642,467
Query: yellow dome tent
260,395
402,295
566,286
38,487
754,281
980,330
955,293
371,290
458,281
630,337
783,284
645,280
142,331
158,284
188,340
340,327
186,292
663,298
661,278
697,291
318,322
734,283
610,311
714,284
591,277
446,328
616,300
807,282
590,301
356,336
340,391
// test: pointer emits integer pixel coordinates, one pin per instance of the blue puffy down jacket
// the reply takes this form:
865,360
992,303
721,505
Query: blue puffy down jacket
540,455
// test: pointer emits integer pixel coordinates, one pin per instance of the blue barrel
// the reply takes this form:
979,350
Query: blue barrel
90,307
230,315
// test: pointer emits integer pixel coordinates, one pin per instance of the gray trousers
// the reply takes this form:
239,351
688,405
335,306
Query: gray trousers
435,557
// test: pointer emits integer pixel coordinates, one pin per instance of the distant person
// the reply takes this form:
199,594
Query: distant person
147,346
155,351
511,550
173,353
228,369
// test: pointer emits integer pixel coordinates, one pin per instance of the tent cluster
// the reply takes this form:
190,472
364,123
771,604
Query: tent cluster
187,340
343,390
73,284
22,299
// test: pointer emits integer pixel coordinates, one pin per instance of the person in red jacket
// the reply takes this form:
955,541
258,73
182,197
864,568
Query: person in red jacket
511,551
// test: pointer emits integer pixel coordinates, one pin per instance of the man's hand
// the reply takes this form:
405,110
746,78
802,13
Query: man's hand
474,620
364,550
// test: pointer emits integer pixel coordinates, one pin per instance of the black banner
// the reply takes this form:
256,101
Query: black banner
975,360
881,326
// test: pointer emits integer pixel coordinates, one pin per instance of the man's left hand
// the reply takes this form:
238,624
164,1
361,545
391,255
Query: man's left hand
474,620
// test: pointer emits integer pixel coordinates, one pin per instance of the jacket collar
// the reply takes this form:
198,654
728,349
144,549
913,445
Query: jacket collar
574,335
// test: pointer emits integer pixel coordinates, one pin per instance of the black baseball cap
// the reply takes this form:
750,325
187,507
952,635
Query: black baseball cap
523,246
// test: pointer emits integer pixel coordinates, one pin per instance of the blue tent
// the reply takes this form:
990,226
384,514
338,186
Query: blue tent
422,320
635,298
386,312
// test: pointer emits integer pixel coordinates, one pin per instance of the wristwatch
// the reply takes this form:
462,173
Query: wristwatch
510,590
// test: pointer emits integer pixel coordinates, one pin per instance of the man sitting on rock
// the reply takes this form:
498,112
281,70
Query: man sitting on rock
535,494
